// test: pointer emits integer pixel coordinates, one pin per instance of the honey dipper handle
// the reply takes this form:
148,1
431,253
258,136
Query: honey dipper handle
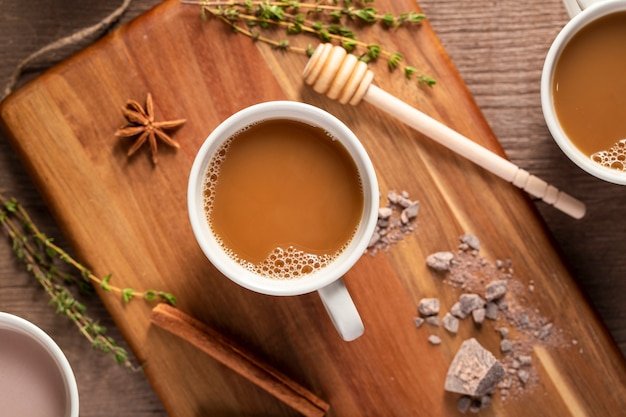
469,149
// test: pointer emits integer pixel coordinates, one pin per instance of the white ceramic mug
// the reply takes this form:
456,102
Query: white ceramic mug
40,374
327,280
581,12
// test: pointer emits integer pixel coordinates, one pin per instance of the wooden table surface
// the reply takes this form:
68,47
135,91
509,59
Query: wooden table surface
498,48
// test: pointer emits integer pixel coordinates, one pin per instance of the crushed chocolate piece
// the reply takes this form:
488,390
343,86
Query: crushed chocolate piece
464,403
401,199
523,376
506,345
384,213
432,320
478,315
409,213
507,302
434,339
474,371
457,311
428,306
470,302
545,331
477,404
491,311
495,290
471,241
450,323
395,220
504,332
440,261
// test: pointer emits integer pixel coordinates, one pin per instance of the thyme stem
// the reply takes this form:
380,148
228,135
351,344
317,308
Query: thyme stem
243,16
37,252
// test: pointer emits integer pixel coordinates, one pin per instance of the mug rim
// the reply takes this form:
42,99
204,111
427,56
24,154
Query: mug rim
590,14
20,325
302,112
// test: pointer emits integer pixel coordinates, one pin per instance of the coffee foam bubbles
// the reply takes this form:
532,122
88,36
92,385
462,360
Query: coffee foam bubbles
614,158
290,263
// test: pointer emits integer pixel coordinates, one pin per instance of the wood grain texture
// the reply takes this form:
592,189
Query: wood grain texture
447,210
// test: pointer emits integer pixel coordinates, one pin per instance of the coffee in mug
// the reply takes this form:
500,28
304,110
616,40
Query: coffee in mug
283,197
589,90
583,88
283,200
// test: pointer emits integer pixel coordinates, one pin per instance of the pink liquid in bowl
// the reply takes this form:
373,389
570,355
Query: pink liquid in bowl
31,383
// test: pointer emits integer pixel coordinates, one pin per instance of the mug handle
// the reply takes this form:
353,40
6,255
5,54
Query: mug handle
342,310
574,7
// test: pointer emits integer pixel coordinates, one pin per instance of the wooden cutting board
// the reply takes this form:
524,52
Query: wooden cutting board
127,217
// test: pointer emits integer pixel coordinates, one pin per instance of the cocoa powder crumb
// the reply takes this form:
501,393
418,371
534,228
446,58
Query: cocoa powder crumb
428,306
434,339
440,261
450,323
478,316
395,220
432,320
464,403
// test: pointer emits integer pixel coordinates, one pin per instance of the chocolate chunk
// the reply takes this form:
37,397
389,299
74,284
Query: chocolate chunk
478,315
546,331
432,320
471,241
384,212
523,375
429,306
418,321
450,323
491,311
434,339
464,404
456,311
440,261
506,345
504,332
474,371
409,213
470,302
495,290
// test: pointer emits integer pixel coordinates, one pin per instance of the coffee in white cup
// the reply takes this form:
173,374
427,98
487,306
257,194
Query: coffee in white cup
583,88
283,200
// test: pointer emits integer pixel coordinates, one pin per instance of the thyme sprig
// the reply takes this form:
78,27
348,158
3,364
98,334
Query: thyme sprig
329,22
38,253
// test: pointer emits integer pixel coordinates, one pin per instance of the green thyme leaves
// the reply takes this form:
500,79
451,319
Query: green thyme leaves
331,21
47,262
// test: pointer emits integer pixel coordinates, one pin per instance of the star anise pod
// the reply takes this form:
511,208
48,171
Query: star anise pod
141,124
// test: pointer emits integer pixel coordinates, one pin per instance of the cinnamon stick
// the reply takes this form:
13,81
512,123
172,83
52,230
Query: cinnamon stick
239,360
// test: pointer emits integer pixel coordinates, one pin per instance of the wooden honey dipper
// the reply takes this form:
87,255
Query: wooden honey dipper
341,76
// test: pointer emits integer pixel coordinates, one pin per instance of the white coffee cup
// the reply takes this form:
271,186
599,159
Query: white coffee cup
581,12
327,281
36,366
